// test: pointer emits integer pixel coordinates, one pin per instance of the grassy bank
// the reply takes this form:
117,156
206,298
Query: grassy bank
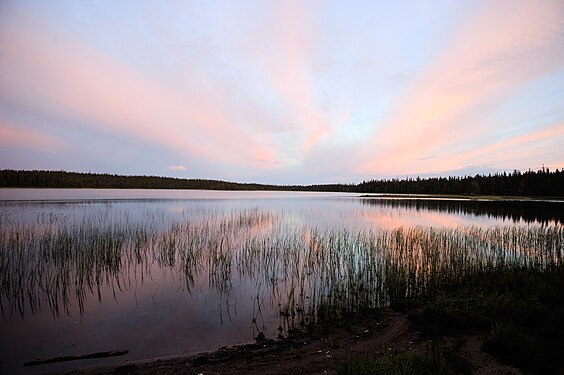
434,360
517,314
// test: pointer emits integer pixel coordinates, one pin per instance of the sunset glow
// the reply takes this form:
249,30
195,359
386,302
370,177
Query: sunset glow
284,92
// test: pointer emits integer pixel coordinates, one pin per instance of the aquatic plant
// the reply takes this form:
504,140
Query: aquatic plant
309,274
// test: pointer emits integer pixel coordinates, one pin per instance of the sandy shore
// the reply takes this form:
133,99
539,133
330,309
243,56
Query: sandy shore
305,354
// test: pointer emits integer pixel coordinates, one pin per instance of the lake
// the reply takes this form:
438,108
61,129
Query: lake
165,272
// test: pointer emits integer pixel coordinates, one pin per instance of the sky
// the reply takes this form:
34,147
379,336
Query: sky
282,92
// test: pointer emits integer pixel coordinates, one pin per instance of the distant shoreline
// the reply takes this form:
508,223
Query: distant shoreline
462,197
528,185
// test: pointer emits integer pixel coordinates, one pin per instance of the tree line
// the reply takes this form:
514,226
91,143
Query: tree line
62,179
531,183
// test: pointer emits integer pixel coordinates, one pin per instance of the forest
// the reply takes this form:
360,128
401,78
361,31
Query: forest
541,183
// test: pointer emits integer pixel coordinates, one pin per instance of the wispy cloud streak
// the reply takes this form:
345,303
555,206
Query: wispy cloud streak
177,168
14,136
449,102
74,81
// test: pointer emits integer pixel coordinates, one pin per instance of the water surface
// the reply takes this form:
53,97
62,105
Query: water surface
161,272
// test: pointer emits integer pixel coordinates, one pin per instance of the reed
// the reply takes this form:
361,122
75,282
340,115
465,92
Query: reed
310,274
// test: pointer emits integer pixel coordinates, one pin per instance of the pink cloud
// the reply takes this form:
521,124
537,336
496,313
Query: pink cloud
508,149
15,136
71,80
500,47
287,64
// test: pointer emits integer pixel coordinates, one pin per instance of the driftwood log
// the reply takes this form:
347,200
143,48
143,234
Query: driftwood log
113,353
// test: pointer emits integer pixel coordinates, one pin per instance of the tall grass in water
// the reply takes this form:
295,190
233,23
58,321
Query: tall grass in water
308,274
321,274
61,265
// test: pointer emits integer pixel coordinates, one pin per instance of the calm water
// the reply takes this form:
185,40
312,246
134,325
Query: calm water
174,272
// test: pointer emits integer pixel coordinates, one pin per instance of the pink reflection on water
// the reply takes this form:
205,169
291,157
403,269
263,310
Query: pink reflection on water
389,218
